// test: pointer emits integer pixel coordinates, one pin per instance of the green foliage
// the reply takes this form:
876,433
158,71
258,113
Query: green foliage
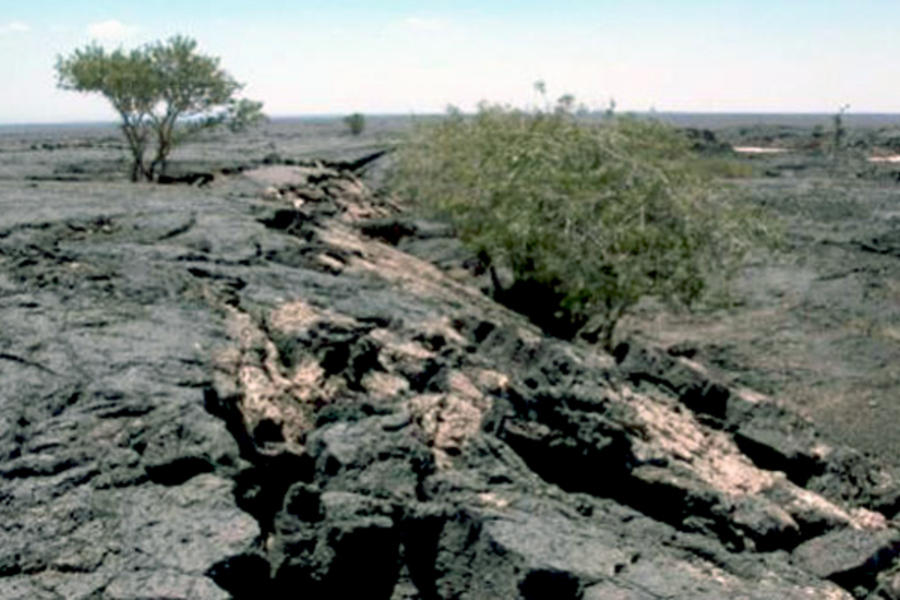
355,123
724,167
587,218
164,93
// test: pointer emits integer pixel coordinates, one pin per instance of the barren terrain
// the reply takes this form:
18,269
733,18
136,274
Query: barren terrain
283,384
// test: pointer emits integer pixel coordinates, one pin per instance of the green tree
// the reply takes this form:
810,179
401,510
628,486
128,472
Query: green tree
163,92
355,123
586,218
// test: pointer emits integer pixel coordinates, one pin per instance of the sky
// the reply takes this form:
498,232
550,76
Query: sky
332,57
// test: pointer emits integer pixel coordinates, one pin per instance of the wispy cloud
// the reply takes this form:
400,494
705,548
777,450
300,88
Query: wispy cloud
14,27
424,24
111,30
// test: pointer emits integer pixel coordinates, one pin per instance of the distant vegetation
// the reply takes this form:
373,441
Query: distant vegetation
584,219
839,134
163,92
355,123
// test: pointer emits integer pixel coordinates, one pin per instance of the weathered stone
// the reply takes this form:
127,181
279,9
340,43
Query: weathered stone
850,557
208,394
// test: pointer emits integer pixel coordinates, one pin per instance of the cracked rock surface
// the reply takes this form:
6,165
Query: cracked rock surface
281,386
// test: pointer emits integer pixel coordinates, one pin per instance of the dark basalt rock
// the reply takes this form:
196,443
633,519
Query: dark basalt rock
199,179
851,557
211,395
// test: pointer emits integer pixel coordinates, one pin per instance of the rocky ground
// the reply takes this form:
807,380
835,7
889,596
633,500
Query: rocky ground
281,385
816,324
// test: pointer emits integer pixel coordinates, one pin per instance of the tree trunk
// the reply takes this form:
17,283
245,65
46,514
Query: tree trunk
138,146
160,161
165,130
157,168
138,171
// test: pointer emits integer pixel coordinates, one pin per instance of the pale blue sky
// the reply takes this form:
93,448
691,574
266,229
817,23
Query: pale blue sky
334,56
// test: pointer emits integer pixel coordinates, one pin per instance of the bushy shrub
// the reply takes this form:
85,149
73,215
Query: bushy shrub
725,167
587,217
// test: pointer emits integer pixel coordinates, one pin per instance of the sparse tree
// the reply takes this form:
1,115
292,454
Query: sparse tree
355,123
610,111
566,103
164,92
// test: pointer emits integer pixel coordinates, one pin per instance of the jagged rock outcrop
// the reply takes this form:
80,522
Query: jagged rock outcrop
257,389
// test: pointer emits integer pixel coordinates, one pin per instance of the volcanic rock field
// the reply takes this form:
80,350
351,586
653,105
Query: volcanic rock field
283,384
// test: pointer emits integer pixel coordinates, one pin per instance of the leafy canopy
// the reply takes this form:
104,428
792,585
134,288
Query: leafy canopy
588,217
163,92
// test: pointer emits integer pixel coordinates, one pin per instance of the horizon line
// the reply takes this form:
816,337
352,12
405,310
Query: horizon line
338,115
